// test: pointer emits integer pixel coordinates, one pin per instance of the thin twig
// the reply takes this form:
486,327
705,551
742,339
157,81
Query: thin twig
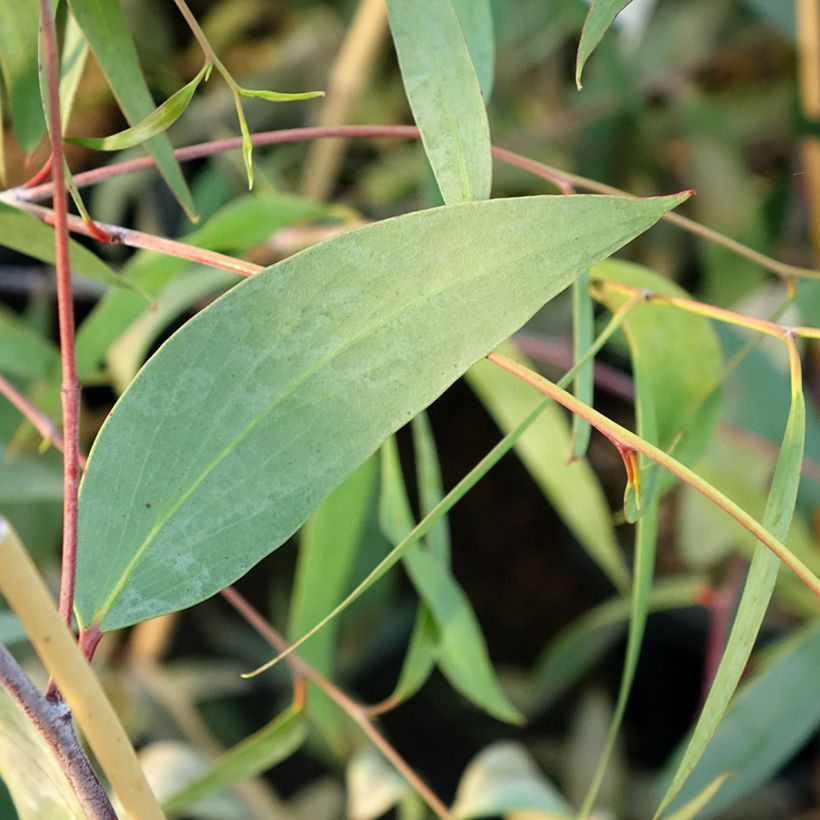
70,390
116,234
52,720
554,175
45,426
356,711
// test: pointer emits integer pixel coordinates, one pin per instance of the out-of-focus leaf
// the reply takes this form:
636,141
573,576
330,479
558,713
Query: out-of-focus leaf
245,222
476,20
579,646
504,778
430,488
72,64
31,771
29,479
583,333
23,352
572,489
461,652
25,234
257,753
104,25
313,362
443,91
771,717
373,786
757,590
695,806
602,14
11,630
327,552
19,34
157,122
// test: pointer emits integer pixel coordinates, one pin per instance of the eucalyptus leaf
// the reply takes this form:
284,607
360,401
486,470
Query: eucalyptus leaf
19,27
24,352
602,14
106,29
757,592
247,418
158,121
444,93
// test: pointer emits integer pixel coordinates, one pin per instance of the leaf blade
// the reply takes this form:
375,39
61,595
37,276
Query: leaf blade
449,318
445,99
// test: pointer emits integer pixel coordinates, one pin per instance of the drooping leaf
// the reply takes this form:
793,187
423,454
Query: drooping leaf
461,652
106,29
72,64
157,122
757,590
327,550
771,717
254,755
25,234
253,413
19,35
694,808
504,778
444,95
31,770
24,352
373,786
572,489
602,14
476,20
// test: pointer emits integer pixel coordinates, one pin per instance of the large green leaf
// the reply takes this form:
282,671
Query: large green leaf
19,23
254,412
105,26
443,91
773,715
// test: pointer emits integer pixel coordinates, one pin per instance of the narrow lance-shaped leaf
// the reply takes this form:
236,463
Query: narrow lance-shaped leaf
444,94
19,26
461,652
280,96
758,588
105,26
257,753
248,417
476,18
582,336
774,714
602,14
328,546
159,120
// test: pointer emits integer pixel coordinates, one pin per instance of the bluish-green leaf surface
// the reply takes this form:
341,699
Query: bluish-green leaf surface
248,417
444,93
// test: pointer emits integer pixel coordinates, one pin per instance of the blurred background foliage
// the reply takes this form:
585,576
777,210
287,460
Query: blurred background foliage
691,94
